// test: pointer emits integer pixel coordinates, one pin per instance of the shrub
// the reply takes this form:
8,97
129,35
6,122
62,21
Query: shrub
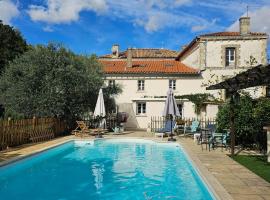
250,117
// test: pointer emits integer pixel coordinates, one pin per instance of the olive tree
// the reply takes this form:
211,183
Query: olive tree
51,81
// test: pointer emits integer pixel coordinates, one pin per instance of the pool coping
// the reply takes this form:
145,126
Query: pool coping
213,185
35,152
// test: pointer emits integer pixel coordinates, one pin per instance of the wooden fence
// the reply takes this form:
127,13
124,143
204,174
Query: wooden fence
17,132
158,122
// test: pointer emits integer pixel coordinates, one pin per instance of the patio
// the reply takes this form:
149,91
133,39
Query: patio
229,179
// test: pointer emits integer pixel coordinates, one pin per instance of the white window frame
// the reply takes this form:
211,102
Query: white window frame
141,108
230,53
172,84
141,85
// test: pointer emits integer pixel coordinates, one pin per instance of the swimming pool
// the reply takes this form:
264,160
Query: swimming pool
115,169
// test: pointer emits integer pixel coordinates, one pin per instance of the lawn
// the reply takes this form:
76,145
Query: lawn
257,164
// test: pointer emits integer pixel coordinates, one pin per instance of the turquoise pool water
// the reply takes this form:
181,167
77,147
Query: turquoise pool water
104,169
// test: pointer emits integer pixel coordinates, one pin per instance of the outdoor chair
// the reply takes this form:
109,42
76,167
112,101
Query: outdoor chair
206,136
212,138
222,139
168,128
180,126
83,130
192,129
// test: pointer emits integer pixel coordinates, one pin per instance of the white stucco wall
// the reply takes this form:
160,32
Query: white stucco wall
156,86
193,58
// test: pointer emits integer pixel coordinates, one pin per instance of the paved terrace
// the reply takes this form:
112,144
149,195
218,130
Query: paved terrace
229,179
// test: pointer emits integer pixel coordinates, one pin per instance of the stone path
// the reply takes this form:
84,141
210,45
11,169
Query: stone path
238,181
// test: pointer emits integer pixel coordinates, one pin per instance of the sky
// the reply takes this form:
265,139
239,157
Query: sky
93,26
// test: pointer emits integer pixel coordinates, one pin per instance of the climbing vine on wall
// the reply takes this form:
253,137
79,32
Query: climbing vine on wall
199,100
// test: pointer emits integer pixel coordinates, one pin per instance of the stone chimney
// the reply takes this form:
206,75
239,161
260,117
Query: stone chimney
129,57
244,25
115,51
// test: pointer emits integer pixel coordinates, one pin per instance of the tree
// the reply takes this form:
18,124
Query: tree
51,81
12,44
251,115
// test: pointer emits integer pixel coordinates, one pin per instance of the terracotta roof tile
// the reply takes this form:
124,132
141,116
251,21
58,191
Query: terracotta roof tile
230,34
147,67
146,53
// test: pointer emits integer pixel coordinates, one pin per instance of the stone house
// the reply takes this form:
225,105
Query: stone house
146,74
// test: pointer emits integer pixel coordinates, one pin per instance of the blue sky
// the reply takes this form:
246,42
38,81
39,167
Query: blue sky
92,26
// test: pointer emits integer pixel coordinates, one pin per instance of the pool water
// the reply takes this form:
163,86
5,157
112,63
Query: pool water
104,169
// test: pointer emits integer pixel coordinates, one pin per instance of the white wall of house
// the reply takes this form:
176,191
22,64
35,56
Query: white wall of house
211,53
216,54
156,87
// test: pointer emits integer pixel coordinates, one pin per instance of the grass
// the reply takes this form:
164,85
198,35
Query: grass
256,164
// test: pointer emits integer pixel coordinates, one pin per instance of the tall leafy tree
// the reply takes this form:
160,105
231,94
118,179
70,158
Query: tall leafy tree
12,44
51,81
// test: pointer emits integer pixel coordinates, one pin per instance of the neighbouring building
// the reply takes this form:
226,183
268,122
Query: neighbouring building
146,74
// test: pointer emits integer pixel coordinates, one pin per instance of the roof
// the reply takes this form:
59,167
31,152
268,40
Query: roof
256,76
228,34
217,34
146,53
146,67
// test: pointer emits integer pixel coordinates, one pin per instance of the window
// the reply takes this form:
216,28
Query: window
140,85
230,56
268,91
111,82
172,84
141,108
180,108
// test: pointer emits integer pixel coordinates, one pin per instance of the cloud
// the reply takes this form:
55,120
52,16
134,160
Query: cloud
203,26
156,15
152,15
48,29
181,2
8,11
64,11
259,21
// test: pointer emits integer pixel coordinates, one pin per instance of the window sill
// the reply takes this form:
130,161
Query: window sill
140,91
141,115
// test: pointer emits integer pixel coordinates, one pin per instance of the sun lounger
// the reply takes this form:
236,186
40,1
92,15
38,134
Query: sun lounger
83,130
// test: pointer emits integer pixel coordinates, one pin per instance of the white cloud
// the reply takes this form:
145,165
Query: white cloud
259,21
203,26
8,11
48,29
181,2
152,15
155,15
64,11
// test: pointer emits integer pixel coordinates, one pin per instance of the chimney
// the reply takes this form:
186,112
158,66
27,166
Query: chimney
244,25
129,57
115,51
